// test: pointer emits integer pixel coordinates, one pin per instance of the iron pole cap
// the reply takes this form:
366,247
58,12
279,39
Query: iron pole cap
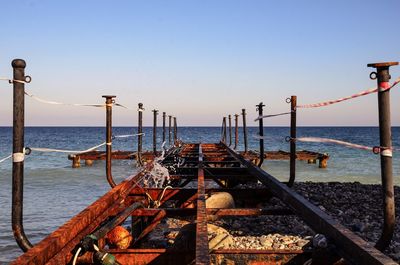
384,64
109,96
18,63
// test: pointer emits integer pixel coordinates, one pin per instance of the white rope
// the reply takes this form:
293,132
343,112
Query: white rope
327,140
76,256
272,115
12,80
60,103
39,149
128,135
4,159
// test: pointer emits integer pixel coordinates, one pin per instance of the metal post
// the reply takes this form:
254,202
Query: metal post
163,126
382,75
244,130
175,131
155,113
230,129
169,129
18,156
236,131
140,133
109,103
224,129
293,104
261,132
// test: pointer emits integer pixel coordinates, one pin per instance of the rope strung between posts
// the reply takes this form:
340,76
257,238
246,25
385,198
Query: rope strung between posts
362,93
60,103
39,149
4,159
127,135
27,80
271,115
386,151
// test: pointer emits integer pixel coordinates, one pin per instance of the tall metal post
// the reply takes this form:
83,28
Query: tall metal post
163,126
382,75
293,128
109,103
230,129
175,131
261,132
224,129
169,129
155,113
244,130
236,131
140,133
18,156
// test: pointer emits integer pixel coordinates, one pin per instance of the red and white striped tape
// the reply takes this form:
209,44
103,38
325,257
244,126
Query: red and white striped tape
385,151
362,93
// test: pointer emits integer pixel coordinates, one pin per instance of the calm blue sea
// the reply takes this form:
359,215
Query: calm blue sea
54,192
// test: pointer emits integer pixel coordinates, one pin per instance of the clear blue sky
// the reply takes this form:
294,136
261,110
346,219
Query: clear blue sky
198,60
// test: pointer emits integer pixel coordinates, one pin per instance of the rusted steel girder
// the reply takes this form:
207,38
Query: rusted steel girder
202,252
348,245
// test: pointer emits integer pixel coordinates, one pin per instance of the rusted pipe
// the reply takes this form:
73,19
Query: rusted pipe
163,126
230,129
169,129
140,133
155,113
382,75
261,132
175,131
18,156
244,130
292,173
109,103
236,131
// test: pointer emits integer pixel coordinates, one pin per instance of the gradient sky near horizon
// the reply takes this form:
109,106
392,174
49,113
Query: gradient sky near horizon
199,60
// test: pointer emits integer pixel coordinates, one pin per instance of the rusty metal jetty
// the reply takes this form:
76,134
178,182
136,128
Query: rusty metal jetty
195,172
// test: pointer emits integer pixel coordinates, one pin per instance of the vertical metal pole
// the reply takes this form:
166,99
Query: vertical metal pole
18,156
223,130
293,104
383,77
236,131
169,129
244,130
155,113
140,132
175,131
230,129
109,103
261,132
163,126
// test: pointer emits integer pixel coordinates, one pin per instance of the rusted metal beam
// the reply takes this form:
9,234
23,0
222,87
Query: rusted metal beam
202,252
179,212
348,245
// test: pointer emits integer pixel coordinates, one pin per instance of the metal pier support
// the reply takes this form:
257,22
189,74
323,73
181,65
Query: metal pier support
261,132
244,130
230,129
169,129
109,103
155,113
292,173
18,156
236,131
163,126
140,133
175,131
382,75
